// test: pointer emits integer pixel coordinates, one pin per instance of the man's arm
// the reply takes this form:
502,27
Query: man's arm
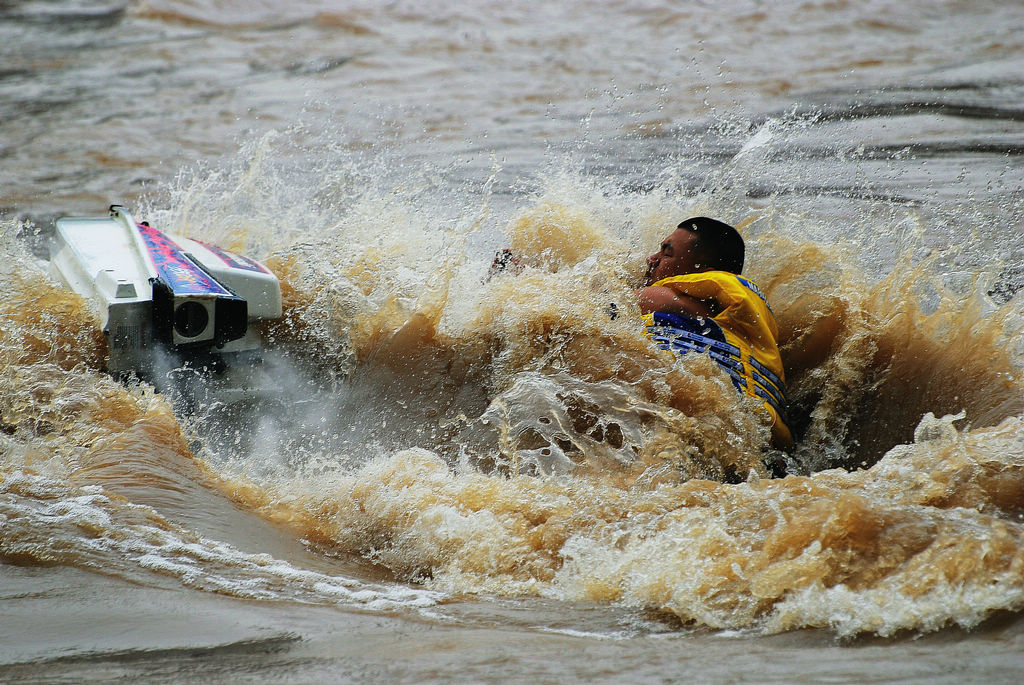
658,298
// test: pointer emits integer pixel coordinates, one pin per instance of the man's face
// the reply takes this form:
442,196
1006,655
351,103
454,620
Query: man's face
677,256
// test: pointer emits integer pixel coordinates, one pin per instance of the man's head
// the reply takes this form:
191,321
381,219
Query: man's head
698,244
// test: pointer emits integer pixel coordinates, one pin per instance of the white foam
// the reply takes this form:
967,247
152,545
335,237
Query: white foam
121,538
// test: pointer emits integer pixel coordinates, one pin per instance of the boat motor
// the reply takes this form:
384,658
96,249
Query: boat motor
167,302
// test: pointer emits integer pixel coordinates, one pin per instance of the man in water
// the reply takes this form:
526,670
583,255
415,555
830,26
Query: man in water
694,299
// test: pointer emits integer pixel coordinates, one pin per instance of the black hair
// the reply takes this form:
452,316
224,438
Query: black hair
719,243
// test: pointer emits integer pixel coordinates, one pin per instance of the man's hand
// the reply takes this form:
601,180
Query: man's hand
658,298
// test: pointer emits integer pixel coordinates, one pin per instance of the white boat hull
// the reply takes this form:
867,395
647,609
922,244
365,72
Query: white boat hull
162,301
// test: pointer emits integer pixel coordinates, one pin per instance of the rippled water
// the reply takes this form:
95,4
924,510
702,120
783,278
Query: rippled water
483,480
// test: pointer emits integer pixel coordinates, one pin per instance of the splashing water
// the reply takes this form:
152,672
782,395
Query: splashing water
508,437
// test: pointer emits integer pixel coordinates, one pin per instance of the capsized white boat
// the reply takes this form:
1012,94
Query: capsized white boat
168,303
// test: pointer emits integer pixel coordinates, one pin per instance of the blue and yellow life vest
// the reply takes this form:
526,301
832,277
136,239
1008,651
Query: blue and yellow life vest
741,338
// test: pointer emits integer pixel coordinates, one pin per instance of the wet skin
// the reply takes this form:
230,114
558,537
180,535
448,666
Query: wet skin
677,256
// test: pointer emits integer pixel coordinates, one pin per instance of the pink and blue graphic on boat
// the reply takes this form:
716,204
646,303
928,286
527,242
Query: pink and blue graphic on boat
175,268
233,260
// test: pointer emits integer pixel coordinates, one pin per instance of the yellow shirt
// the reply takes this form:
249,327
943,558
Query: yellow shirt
742,338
